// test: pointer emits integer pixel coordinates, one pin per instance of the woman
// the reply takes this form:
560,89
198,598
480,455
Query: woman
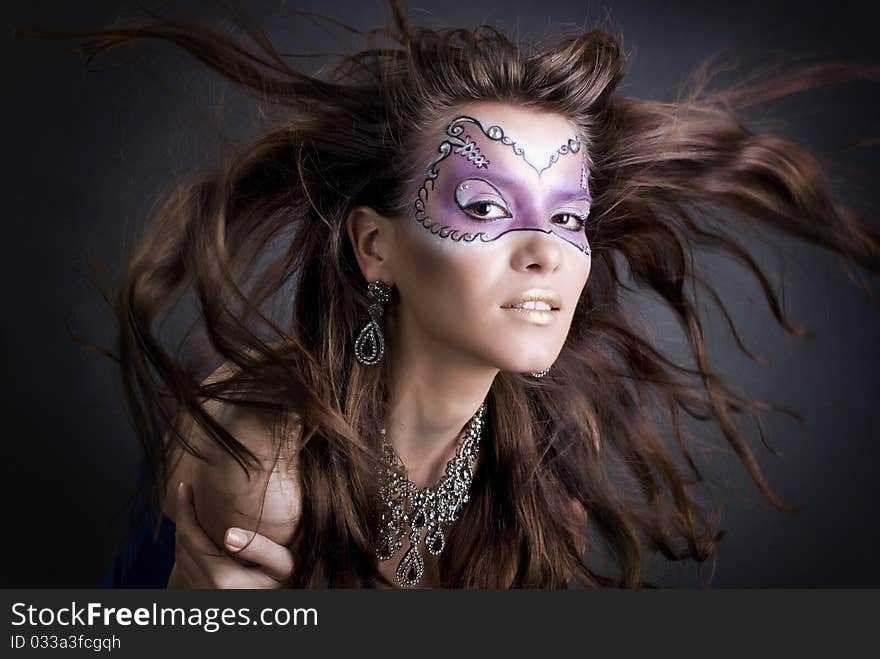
444,221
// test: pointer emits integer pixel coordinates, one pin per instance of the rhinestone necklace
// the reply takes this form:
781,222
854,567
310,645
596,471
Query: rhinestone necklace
404,504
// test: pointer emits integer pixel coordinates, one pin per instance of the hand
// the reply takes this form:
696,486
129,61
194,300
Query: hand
253,561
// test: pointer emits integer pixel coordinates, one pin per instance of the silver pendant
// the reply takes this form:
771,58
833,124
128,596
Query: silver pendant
411,568
370,344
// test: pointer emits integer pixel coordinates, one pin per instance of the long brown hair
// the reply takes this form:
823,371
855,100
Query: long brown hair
604,433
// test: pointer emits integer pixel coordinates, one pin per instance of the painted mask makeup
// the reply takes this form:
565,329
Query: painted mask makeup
483,185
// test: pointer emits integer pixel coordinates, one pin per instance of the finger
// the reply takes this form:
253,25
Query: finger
199,571
176,578
274,559
191,573
227,575
188,529
191,576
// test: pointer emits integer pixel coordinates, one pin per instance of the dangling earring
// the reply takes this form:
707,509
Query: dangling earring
539,374
370,344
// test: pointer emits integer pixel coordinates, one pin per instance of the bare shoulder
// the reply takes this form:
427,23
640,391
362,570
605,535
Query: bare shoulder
267,501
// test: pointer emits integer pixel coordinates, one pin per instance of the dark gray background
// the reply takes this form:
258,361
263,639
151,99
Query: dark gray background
87,152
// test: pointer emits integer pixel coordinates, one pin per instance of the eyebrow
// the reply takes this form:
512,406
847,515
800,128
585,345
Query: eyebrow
557,194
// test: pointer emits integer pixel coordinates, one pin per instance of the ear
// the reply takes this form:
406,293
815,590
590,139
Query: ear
370,234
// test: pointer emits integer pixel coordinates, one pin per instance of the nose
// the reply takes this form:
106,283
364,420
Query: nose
536,249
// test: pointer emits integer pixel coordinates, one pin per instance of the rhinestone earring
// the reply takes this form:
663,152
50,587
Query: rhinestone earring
370,344
539,374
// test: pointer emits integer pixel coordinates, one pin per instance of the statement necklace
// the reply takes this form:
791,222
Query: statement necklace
404,504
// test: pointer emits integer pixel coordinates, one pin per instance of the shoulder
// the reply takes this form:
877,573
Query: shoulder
267,500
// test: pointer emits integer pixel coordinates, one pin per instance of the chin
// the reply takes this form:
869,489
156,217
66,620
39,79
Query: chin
523,366
521,356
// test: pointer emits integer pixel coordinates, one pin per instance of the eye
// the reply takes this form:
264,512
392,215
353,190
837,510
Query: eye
486,210
575,221
481,201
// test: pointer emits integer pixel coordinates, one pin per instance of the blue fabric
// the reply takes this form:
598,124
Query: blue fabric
143,562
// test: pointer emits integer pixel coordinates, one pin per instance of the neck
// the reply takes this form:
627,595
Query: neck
434,395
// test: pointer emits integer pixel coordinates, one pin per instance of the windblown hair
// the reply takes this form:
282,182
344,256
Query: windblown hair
595,457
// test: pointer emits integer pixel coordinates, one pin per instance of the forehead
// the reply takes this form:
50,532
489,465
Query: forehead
538,133
536,147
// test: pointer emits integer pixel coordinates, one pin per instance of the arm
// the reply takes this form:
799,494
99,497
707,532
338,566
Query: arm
223,496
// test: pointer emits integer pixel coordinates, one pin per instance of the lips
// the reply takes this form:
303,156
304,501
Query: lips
535,299
534,316
538,305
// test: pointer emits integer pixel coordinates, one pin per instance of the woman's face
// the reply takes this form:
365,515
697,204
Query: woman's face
496,220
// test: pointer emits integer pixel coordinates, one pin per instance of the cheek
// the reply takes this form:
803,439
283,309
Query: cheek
448,280
576,283
584,276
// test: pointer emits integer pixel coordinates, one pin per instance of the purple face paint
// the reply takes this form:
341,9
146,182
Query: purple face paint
483,185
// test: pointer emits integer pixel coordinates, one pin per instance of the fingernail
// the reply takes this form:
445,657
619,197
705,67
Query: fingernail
236,538
181,491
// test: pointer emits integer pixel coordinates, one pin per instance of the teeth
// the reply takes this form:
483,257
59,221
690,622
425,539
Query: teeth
533,304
